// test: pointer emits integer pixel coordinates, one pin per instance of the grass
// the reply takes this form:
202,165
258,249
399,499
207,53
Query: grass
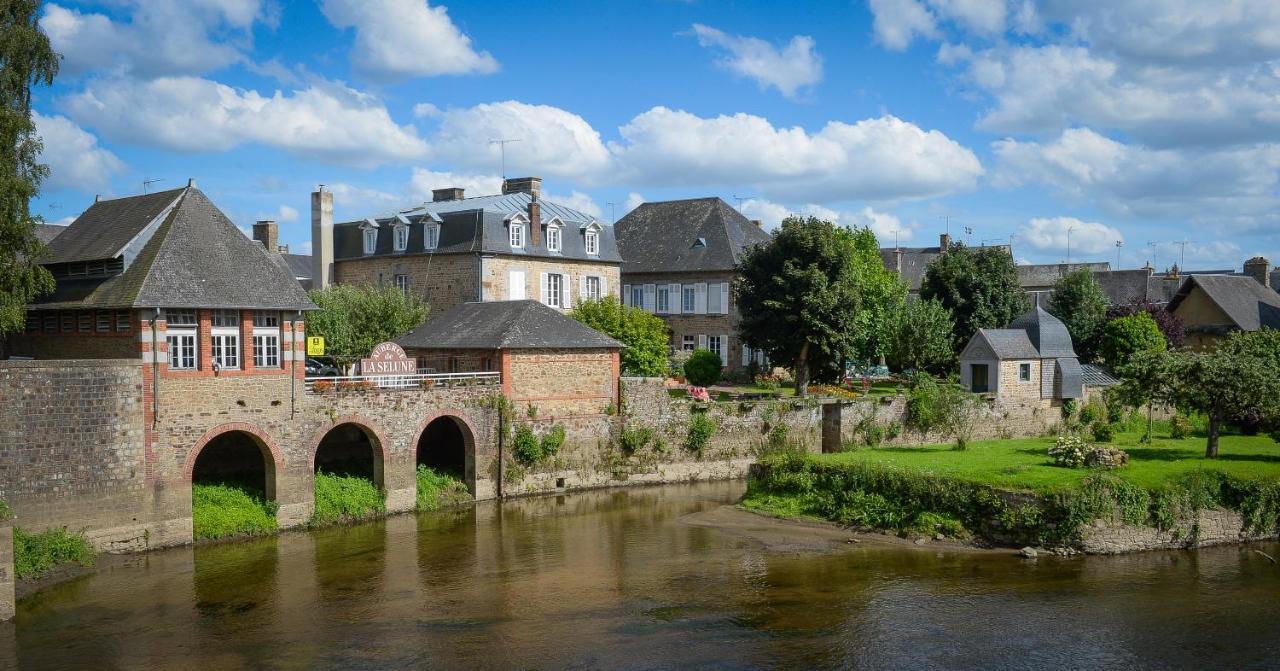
222,510
346,498
35,555
437,490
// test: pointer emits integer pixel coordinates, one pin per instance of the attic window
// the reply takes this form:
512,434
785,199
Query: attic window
401,238
553,237
700,242
370,240
517,234
592,242
431,236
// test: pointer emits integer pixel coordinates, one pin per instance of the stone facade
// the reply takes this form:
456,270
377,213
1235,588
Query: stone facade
496,276
1206,323
697,327
561,383
1013,387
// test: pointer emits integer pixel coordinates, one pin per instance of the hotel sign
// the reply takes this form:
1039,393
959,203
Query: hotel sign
388,358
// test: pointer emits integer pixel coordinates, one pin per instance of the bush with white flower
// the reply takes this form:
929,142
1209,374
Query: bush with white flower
1070,451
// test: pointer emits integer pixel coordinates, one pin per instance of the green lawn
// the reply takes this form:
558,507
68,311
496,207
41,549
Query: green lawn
1024,464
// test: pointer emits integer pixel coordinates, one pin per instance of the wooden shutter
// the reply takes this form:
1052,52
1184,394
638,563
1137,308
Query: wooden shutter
700,298
604,287
626,294
713,299
650,296
702,341
724,350
582,287
566,295
724,298
545,293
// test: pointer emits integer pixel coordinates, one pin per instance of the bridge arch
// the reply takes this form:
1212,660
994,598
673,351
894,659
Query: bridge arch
446,441
352,445
235,452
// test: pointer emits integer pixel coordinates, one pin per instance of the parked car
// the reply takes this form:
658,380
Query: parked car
321,368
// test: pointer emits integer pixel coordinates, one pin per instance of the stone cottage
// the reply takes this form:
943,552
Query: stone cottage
455,249
1212,306
680,259
1031,359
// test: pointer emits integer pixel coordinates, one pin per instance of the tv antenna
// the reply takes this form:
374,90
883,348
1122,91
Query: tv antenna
740,199
502,148
968,232
1155,251
1119,244
146,183
612,216
1182,265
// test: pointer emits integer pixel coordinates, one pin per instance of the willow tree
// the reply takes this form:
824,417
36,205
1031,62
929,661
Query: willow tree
26,60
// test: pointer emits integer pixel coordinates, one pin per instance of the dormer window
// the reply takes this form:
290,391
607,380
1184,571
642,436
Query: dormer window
591,239
553,236
370,240
400,239
431,236
517,234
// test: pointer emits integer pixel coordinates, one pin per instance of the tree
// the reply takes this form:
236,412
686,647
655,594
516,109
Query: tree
1171,326
1222,384
354,318
919,337
1143,381
1079,302
26,59
978,286
814,297
1264,345
1125,336
703,368
644,335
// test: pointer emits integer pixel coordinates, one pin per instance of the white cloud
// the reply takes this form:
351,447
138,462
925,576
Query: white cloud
424,181
769,213
425,111
1056,234
160,37
984,17
328,122
633,201
898,22
351,201
883,224
75,159
578,201
398,39
552,142
788,69
287,214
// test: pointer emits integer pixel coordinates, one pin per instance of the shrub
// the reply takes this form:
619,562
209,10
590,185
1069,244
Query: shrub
1102,431
643,334
1089,414
768,382
634,440
1070,451
701,429
1124,336
220,510
437,490
35,555
1180,426
778,436
345,498
923,412
873,434
893,430
1115,411
552,441
1069,406
703,368
526,446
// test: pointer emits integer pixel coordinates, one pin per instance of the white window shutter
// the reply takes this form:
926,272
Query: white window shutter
702,341
724,298
604,287
546,296
746,355
649,297
700,298
582,286
566,294
724,350
626,294
713,299
677,299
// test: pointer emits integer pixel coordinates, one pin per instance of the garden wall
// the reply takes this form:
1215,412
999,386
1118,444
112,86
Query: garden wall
999,418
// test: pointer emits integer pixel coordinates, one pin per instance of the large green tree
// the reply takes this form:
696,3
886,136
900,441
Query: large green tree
979,286
920,338
354,318
816,296
26,59
1125,336
644,335
1079,302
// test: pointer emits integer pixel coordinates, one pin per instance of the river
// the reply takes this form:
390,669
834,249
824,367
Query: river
643,578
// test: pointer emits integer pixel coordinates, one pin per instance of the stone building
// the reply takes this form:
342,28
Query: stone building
1212,306
455,249
680,259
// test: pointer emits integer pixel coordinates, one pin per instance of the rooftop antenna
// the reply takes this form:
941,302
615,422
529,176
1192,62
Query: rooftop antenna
947,219
612,216
502,147
739,199
146,183
895,239
1182,243
968,232
1069,229
1155,261
1119,244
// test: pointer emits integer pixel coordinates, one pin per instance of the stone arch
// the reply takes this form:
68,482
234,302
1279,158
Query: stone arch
272,464
448,438
379,446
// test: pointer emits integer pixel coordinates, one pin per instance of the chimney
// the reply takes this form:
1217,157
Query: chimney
321,238
535,219
944,241
191,182
447,193
1259,268
530,185
268,233
758,223
897,260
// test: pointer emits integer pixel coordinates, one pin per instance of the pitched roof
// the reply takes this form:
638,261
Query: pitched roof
506,204
915,260
505,325
299,264
1043,275
1009,343
694,235
194,257
1047,333
105,229
47,232
1096,376
1246,302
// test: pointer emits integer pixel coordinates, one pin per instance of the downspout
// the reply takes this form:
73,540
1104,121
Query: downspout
155,371
293,365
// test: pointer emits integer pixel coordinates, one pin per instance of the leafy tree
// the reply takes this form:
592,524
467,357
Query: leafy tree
1143,381
1265,346
644,335
815,297
1079,302
919,337
1171,326
703,368
979,286
26,59
354,318
1123,337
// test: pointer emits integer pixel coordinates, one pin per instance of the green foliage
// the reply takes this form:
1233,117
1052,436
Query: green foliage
643,334
632,440
345,498
1090,413
35,555
438,490
978,286
919,337
1069,406
526,446
552,441
1079,302
924,407
701,428
220,510
817,295
1102,431
703,368
1125,336
26,59
943,408
1180,426
353,318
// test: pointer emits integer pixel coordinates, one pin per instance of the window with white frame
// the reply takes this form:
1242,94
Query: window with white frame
637,295
402,283
181,336
400,238
266,339
370,240
517,234
431,236
688,343
1024,372
664,299
688,298
592,242
224,339
719,346
593,287
555,289
553,238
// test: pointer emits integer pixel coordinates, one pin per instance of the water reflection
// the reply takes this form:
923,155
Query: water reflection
615,579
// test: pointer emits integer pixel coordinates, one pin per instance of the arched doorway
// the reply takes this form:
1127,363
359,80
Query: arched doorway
236,458
447,446
350,449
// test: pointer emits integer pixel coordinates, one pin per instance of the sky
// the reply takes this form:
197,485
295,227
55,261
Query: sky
1060,126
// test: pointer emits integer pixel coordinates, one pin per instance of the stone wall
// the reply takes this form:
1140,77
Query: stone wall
496,268
443,280
7,577
1002,417
562,383
74,345
1209,527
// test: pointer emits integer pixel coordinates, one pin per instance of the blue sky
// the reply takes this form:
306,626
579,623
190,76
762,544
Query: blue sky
1149,122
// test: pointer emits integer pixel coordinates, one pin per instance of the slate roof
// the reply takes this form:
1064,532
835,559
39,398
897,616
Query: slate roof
47,232
1247,303
1047,333
1009,343
694,235
194,257
1043,275
1068,377
494,325
915,260
1096,376
299,265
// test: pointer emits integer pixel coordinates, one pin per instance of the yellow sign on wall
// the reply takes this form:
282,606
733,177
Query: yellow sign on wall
315,346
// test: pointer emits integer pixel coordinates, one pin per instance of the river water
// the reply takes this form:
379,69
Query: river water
643,578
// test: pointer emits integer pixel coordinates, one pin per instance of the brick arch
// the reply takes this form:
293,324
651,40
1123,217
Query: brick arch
372,430
273,466
468,431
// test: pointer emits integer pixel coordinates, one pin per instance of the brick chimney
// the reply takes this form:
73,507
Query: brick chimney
1259,268
897,260
758,223
944,241
268,233
447,193
321,238
535,220
530,185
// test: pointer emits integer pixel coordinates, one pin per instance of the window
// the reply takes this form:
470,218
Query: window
553,238
180,318
593,288
664,299
181,336
266,340
713,299
84,321
103,322
68,321
1024,372
718,346
688,299
637,295
225,339
122,321
400,238
517,234
688,343
593,242
402,283
370,240
51,323
33,323
555,285
431,236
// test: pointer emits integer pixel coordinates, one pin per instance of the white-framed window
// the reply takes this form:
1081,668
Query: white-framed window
1024,372
224,339
370,240
592,242
664,299
637,295
517,234
431,236
555,291
719,345
181,336
402,282
553,238
592,286
266,339
400,238
688,343
688,298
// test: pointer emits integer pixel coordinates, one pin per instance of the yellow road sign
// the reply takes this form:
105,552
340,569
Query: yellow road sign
315,346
